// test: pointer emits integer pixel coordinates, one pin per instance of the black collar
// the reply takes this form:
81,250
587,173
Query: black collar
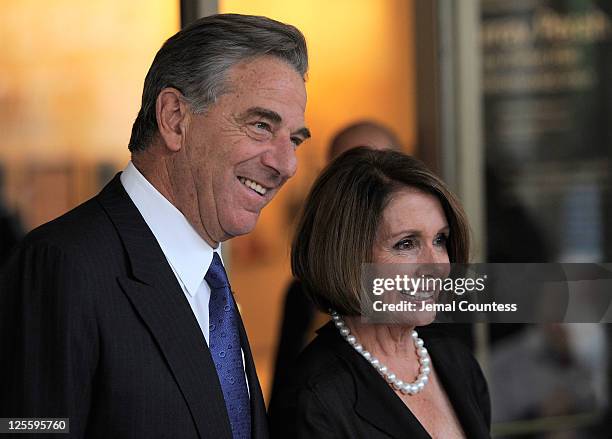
379,405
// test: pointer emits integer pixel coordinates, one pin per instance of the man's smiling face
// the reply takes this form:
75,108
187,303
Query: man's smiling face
241,150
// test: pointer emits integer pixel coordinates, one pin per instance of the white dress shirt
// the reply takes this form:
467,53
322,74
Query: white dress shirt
186,252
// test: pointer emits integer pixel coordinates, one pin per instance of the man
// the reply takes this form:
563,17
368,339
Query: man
118,315
300,318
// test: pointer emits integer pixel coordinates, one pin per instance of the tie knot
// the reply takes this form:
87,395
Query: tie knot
216,277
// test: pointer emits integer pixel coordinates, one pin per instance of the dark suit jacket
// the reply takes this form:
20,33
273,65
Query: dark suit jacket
296,326
95,327
333,392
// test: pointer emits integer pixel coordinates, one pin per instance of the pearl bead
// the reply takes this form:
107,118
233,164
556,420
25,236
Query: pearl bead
390,377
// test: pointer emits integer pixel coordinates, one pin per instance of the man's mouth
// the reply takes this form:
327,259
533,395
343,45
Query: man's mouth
257,187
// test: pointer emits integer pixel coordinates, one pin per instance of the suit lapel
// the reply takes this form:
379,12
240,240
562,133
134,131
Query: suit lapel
259,420
376,402
160,302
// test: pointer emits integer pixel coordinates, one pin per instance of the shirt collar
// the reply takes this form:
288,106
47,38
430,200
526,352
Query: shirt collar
188,254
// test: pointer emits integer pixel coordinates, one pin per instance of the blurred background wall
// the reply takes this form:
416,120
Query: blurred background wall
71,76
448,76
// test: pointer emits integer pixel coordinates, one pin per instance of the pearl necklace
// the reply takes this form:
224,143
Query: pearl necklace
397,384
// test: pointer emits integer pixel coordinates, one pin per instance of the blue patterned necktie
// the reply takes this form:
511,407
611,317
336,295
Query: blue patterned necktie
224,341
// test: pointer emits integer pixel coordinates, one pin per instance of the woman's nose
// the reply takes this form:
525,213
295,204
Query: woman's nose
433,262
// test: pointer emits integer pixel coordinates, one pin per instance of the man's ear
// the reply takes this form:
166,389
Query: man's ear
172,113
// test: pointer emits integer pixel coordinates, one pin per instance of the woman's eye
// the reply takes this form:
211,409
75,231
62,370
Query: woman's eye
441,240
405,244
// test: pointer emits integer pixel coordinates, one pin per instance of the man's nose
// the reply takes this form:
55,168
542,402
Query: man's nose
281,157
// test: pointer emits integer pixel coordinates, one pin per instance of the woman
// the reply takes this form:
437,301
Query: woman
363,380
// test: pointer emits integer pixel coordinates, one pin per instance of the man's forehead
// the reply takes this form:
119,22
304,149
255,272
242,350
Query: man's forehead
267,87
265,70
275,94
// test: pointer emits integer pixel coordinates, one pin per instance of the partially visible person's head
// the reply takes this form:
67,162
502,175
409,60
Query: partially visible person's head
373,206
222,113
363,133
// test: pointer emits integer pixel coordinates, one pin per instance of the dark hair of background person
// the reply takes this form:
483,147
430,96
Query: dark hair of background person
341,217
196,60
368,133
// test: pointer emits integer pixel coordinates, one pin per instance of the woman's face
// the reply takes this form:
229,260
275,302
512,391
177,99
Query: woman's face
413,230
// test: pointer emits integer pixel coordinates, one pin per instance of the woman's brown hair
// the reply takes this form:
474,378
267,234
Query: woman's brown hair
336,233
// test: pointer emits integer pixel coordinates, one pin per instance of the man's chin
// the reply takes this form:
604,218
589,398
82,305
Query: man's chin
241,225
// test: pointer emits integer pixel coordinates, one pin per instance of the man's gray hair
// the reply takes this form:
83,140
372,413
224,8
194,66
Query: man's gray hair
195,61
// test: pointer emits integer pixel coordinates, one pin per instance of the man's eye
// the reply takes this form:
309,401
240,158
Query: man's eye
406,244
297,141
262,126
